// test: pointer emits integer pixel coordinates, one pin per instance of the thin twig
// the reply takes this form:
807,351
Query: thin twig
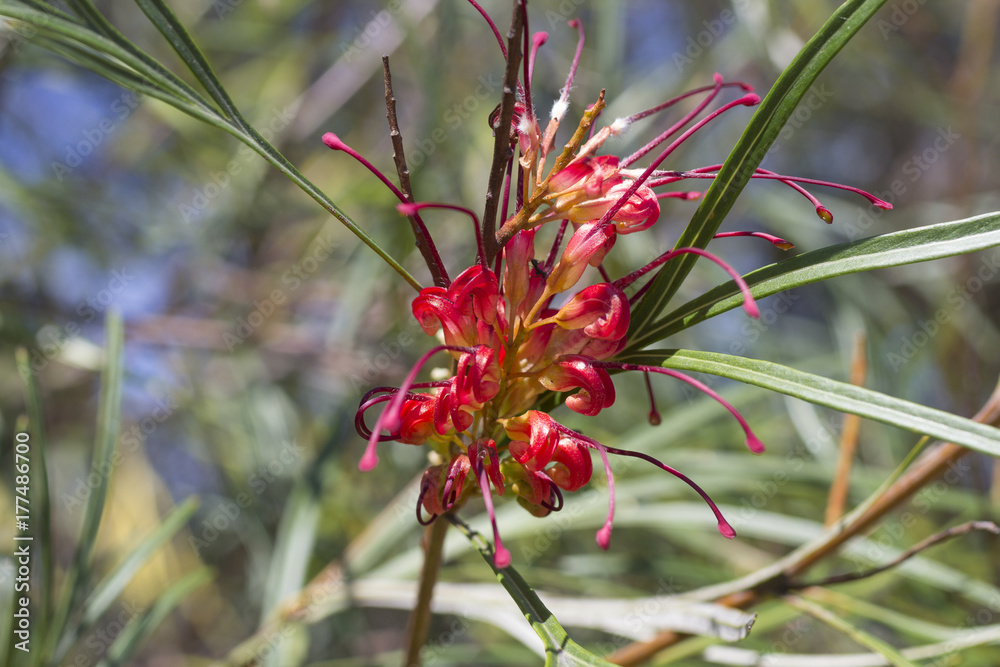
837,500
420,617
422,238
775,580
502,152
926,543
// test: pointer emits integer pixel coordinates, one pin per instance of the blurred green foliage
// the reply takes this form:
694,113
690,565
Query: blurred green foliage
254,322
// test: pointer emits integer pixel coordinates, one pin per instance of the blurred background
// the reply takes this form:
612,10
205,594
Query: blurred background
255,322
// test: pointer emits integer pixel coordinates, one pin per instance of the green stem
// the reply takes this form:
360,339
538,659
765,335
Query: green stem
254,140
420,617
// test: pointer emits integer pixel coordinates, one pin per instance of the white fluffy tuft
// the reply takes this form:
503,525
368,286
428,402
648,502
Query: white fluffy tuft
619,126
559,109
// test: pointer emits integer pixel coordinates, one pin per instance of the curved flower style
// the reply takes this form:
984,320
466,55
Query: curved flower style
510,345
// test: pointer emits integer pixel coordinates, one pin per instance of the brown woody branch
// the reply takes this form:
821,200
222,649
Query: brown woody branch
421,237
502,151
776,580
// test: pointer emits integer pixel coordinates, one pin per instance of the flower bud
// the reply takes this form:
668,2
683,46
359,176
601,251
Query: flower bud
573,467
584,179
517,255
576,371
441,486
533,439
477,378
588,245
475,292
433,310
638,213
533,489
601,310
417,421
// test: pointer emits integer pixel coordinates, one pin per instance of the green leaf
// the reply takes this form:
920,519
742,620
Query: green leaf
89,12
560,650
108,426
832,394
105,593
878,252
174,32
141,627
49,9
891,655
163,84
174,92
179,38
748,153
113,70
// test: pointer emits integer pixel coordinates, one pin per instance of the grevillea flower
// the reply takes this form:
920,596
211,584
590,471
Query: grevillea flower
508,344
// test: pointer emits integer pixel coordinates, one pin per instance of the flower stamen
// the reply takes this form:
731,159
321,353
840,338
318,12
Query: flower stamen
749,305
724,526
390,417
752,441
771,238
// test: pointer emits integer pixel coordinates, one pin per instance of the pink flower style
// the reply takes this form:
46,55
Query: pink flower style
509,345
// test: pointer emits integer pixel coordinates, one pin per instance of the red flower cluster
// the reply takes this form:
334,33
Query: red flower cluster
509,344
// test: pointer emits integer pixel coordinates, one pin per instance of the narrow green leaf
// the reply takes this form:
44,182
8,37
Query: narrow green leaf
891,655
878,252
560,650
237,126
263,148
89,11
41,512
140,628
108,426
105,593
293,548
832,394
49,9
174,32
903,623
947,650
746,156
114,71
174,90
